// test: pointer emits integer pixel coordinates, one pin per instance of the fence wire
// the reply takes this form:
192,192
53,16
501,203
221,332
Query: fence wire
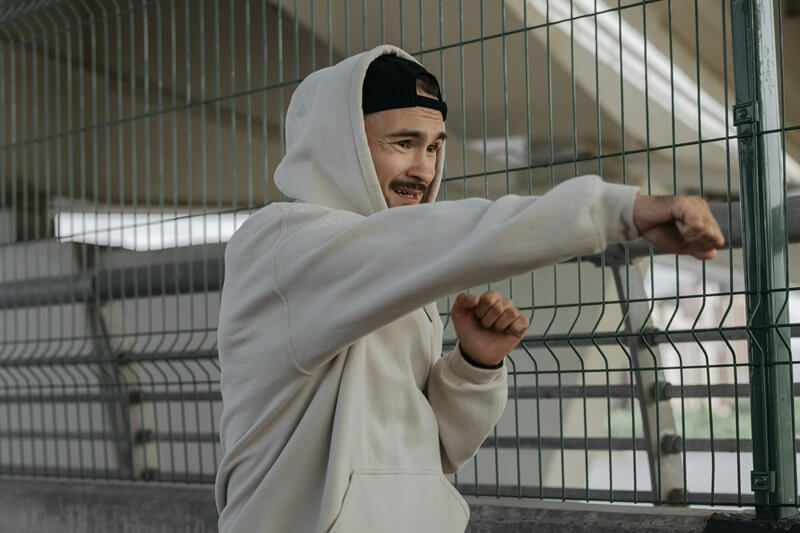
136,136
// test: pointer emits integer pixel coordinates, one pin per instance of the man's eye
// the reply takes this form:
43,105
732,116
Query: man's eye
433,148
404,144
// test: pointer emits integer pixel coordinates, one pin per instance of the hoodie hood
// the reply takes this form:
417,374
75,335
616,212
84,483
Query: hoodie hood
327,159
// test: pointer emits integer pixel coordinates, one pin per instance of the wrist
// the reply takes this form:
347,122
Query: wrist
474,362
636,214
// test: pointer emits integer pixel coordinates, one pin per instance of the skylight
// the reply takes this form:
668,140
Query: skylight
146,231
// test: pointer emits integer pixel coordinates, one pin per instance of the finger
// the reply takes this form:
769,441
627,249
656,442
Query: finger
486,301
705,254
707,243
519,326
506,318
465,301
493,313
718,237
713,241
720,240
697,224
693,225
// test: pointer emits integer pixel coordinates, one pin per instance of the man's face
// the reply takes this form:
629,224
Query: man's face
404,143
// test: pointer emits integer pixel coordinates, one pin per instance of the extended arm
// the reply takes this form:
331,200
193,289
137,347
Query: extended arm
388,264
469,401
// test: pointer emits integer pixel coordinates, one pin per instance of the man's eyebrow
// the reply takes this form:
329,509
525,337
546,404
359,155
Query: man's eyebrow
415,134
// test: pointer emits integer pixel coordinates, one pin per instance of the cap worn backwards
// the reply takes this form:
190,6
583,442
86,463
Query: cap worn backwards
391,83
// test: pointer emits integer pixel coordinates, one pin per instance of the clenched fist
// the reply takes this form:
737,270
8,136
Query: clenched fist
678,224
488,326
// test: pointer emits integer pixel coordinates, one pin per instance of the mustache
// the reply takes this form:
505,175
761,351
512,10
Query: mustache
410,184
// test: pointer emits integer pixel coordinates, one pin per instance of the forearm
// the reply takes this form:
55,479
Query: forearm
467,402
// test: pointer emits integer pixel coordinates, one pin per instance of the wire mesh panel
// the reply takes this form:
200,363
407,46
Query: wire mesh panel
135,137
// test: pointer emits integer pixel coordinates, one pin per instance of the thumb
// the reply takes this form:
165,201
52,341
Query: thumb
464,303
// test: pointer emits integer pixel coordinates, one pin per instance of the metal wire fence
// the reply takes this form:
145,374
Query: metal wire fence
135,136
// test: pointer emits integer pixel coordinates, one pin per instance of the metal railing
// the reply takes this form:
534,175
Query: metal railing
641,370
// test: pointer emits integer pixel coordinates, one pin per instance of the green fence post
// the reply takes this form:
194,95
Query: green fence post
764,244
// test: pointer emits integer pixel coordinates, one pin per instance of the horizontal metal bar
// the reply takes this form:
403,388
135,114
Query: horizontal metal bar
164,438
134,396
180,477
667,391
567,443
60,435
207,274
550,341
550,392
726,445
652,338
56,360
188,396
570,493
58,398
544,392
171,438
120,358
66,472
187,355
168,279
644,368
114,284
60,290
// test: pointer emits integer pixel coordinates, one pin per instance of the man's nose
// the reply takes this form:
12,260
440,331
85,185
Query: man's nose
423,166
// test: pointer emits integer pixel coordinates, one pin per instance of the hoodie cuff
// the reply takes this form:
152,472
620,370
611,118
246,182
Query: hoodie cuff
461,367
478,364
616,215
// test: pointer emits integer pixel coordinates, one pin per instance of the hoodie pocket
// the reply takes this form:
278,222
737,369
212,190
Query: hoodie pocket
418,501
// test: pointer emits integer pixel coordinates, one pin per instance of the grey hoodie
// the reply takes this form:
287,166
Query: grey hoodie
340,414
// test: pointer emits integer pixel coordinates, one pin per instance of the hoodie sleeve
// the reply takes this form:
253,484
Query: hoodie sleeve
467,401
341,279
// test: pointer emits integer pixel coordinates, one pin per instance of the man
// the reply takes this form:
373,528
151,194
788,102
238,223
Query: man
339,413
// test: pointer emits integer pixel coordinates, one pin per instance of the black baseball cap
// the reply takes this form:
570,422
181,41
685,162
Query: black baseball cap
391,83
